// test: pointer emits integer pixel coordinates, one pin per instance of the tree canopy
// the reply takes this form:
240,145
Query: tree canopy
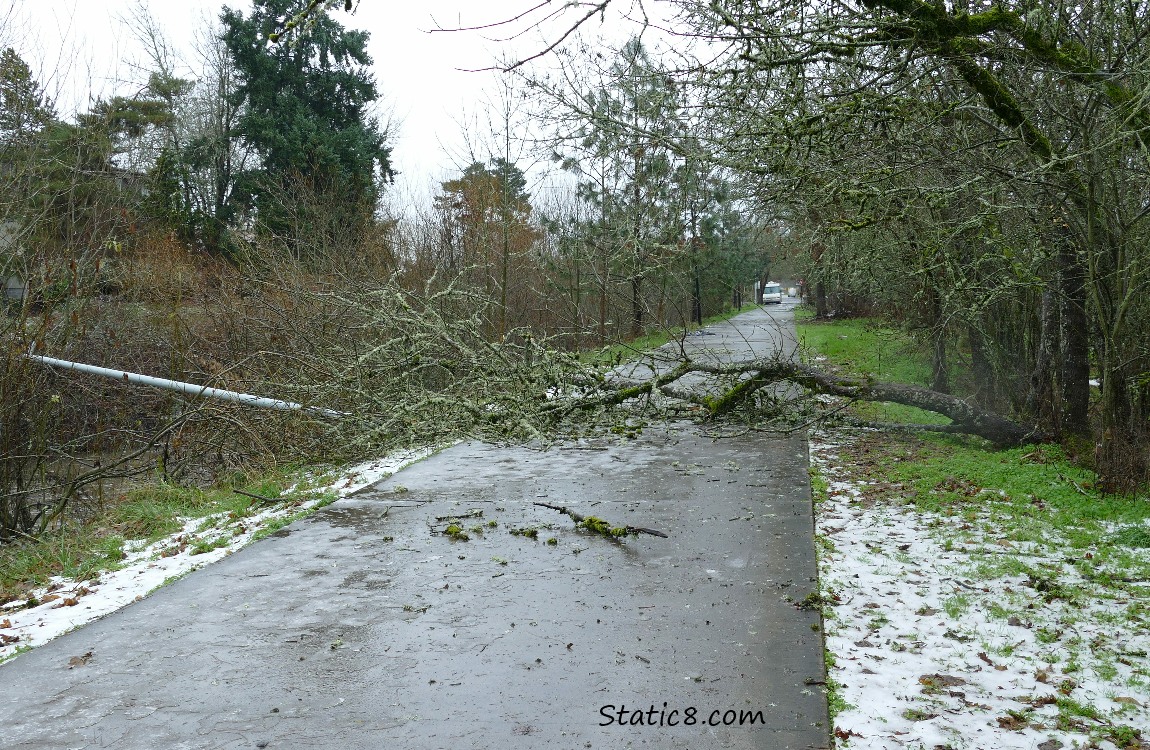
307,113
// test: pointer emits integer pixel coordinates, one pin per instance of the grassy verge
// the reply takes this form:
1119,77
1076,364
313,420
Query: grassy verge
1032,495
143,514
867,348
1055,576
635,348
1060,571
936,472
836,703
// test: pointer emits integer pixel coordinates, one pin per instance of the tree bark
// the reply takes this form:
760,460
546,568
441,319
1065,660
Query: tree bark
940,372
820,300
696,298
1074,343
985,380
636,306
1040,401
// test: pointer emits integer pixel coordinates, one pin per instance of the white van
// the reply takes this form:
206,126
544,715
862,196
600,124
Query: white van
772,293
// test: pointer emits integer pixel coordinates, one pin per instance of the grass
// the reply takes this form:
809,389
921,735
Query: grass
1043,489
1076,558
1025,493
867,348
146,513
1031,515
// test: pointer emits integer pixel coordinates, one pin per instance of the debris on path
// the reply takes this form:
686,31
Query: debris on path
599,526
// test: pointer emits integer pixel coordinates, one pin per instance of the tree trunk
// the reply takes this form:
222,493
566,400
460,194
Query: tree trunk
636,306
603,302
985,381
1040,401
1120,454
696,298
820,300
940,372
1074,343
967,417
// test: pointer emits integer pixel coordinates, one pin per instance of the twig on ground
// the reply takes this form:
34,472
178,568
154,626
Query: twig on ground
591,523
261,498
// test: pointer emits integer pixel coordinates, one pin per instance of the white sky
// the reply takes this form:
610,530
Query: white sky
81,46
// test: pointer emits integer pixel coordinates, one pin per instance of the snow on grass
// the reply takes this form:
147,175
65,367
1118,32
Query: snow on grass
66,604
944,634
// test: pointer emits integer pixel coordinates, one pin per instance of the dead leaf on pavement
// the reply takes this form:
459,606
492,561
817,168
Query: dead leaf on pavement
79,661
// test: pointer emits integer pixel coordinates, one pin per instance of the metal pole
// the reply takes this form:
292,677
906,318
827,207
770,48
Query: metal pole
189,388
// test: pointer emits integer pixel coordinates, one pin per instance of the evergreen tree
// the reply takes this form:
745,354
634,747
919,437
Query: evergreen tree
307,116
24,108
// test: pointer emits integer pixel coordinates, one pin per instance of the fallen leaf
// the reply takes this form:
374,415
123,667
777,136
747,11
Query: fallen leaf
1127,700
5,623
941,680
1011,722
79,661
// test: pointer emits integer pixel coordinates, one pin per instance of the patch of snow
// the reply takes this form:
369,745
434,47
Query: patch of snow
931,653
66,604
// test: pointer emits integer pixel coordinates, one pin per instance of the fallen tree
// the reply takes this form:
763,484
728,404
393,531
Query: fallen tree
753,375
411,368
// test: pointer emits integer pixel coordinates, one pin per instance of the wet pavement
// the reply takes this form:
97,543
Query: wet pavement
752,335
367,625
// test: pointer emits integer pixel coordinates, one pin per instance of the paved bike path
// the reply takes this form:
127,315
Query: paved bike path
367,626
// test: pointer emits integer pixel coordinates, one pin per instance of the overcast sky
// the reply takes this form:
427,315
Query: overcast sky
81,46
